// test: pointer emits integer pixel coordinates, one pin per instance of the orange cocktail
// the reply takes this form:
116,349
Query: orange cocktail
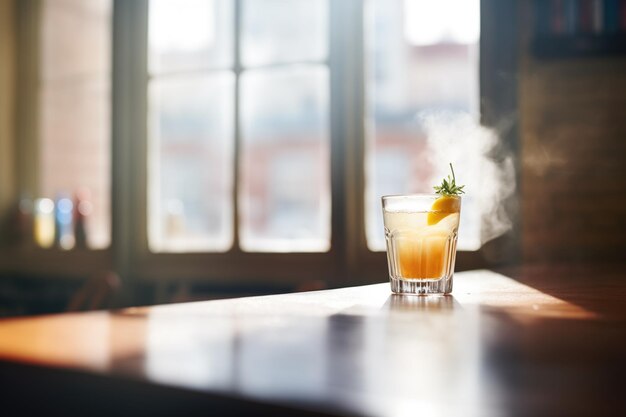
421,234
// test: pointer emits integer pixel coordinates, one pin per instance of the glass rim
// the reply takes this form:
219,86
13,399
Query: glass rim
414,195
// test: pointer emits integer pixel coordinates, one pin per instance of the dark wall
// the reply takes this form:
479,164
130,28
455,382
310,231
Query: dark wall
573,156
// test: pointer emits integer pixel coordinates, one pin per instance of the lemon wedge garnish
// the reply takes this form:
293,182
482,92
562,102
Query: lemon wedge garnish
442,207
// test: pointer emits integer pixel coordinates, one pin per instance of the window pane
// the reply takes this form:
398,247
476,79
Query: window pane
191,163
285,194
422,98
75,109
284,31
190,34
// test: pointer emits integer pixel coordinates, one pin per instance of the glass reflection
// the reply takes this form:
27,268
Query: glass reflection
411,355
408,303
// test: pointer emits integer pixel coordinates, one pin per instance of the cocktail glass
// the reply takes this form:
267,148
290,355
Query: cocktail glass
421,234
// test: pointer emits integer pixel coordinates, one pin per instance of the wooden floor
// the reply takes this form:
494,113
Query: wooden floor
527,341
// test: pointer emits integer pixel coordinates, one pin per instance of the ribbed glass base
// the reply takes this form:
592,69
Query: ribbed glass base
422,286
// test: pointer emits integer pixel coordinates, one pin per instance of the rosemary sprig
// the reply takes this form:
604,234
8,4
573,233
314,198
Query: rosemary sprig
448,186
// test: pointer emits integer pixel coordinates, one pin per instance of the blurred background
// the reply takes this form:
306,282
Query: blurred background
157,151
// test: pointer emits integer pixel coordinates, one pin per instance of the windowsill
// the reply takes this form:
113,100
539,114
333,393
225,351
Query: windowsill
234,267
54,262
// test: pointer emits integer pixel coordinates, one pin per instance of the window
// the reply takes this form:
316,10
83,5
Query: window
423,75
74,107
191,129
254,138
238,134
250,102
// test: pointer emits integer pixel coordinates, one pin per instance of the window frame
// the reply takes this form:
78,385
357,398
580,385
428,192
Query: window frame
348,262
235,265
7,107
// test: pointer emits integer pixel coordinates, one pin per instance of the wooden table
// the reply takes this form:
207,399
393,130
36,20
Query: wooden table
552,341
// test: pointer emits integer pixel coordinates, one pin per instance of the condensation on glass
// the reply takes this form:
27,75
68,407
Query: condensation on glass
422,99
75,101
284,184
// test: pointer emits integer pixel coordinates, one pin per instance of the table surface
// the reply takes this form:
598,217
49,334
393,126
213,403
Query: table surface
532,340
